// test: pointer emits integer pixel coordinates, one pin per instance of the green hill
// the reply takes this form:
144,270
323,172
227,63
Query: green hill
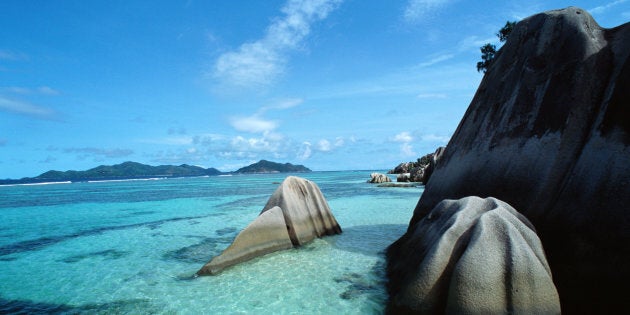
264,166
126,170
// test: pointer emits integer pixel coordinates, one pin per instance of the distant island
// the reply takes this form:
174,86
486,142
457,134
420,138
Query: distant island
134,170
126,170
264,166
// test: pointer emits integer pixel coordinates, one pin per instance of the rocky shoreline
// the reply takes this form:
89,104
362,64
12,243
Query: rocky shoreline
419,171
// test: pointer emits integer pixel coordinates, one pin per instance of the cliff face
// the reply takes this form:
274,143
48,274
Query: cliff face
548,131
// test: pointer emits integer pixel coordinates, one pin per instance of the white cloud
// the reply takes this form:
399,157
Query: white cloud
208,139
324,145
606,7
472,43
419,9
402,137
435,138
253,124
269,143
24,108
407,150
435,60
305,151
283,104
98,154
432,95
339,142
260,63
11,55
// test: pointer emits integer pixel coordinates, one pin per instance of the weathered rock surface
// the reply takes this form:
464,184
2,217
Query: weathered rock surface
295,214
305,210
267,234
473,256
377,178
548,131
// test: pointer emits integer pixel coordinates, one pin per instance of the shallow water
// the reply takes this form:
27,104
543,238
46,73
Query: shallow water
133,247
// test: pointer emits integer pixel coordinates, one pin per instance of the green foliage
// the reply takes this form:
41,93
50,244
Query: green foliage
489,51
505,32
264,166
126,170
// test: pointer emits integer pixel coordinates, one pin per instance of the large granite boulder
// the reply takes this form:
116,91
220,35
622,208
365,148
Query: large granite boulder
473,256
548,131
295,214
378,178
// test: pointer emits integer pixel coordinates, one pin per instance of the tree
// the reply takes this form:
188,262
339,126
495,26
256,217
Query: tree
505,32
487,55
489,51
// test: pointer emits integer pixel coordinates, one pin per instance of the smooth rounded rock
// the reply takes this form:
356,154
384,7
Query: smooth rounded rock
548,131
305,210
473,256
266,234
295,214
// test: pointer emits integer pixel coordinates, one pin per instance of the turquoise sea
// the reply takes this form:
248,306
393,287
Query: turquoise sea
132,247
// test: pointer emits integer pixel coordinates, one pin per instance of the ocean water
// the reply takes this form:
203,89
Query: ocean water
132,247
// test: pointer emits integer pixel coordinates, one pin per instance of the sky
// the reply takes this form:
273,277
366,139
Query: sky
330,84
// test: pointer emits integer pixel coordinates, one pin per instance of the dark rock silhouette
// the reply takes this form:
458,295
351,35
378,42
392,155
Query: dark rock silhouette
548,132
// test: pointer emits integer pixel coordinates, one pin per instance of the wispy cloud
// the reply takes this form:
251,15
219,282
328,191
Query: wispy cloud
472,43
406,150
324,145
282,104
404,136
305,151
26,109
256,123
253,124
260,63
436,60
98,154
435,138
12,55
419,9
42,90
432,95
603,8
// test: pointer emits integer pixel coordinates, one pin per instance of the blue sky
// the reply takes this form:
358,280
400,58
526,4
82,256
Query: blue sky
331,84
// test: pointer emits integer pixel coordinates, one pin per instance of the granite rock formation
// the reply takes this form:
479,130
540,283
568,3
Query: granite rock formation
473,256
295,214
419,171
306,211
378,178
548,132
